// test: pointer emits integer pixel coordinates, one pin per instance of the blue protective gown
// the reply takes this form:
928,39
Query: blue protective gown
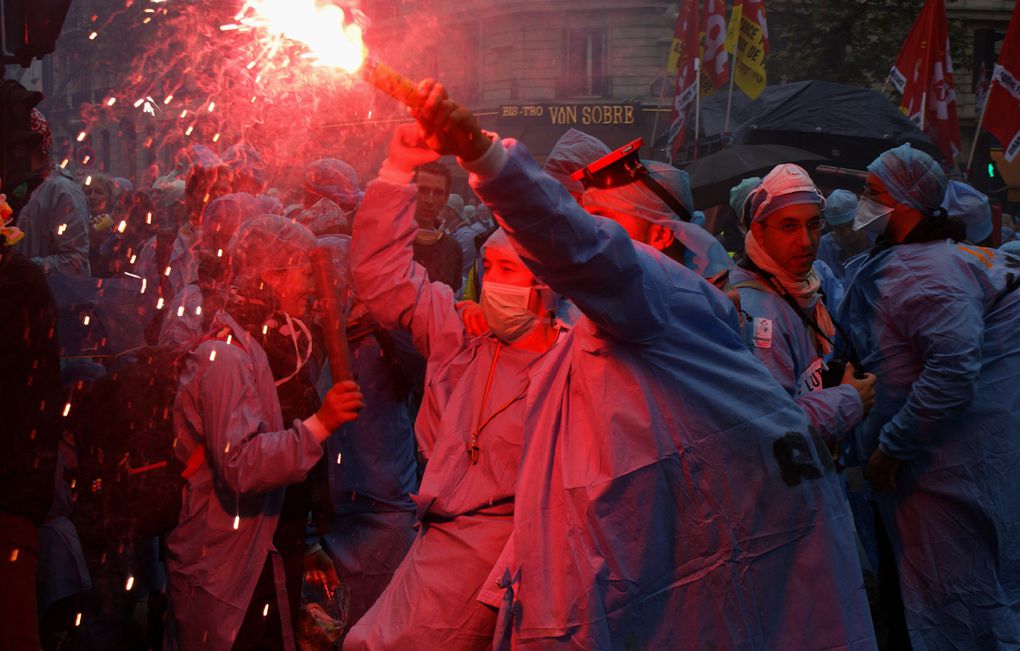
670,493
831,254
182,322
56,225
832,287
466,510
938,325
228,403
788,348
372,472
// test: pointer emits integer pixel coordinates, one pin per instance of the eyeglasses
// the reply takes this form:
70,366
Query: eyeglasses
789,228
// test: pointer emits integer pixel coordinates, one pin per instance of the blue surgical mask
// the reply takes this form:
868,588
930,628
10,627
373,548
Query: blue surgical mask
506,310
871,216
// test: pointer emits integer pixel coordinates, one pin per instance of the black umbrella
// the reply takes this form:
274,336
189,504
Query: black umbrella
714,175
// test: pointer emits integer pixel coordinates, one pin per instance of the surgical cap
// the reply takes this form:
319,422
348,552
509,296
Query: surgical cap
574,150
912,177
971,207
499,241
197,156
840,207
738,195
1012,246
786,185
456,202
469,213
335,180
637,200
267,242
325,218
224,215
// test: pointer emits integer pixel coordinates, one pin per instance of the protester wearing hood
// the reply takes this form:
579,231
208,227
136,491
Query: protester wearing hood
971,207
55,220
440,254
787,325
573,151
335,180
842,242
224,573
188,314
372,470
638,424
936,319
648,219
470,425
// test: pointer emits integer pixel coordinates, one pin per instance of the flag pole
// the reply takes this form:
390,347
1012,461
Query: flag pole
924,107
729,98
658,110
977,131
697,103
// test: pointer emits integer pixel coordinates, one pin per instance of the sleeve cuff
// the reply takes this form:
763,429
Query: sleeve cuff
391,174
489,164
316,427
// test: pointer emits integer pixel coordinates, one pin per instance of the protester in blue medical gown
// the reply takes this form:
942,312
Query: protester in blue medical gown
239,452
671,493
937,321
471,423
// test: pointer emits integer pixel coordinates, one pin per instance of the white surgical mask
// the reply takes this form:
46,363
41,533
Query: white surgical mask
506,310
871,216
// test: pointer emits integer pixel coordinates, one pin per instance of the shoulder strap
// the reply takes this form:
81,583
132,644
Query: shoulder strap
771,282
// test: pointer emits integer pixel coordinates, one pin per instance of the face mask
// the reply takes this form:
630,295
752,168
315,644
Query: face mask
506,309
871,216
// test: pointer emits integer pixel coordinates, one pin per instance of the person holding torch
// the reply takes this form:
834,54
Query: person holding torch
670,491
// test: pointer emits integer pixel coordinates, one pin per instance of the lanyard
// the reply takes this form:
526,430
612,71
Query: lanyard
481,423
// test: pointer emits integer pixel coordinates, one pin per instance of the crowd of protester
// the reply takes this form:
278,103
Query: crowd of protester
577,418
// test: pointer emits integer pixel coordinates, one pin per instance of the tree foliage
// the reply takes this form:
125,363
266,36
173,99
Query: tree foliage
847,41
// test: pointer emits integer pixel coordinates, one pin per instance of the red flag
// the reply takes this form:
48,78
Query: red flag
1002,113
923,73
715,62
685,47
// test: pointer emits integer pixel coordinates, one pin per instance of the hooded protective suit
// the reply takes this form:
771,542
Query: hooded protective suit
227,402
473,385
937,323
671,492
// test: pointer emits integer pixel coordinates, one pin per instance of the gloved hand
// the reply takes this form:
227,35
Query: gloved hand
340,405
881,470
448,127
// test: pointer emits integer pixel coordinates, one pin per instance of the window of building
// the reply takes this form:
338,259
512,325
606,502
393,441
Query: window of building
584,70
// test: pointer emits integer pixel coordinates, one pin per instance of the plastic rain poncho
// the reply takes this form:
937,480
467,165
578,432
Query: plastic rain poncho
56,225
370,462
228,403
937,323
670,492
471,384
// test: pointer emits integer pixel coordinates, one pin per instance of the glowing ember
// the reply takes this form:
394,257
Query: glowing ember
331,38
88,180
130,583
237,518
67,409
111,101
122,226
86,319
93,36
81,136
159,303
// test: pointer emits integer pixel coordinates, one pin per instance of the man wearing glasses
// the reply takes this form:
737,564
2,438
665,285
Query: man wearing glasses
786,323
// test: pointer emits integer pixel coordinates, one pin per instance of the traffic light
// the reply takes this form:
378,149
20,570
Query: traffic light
31,28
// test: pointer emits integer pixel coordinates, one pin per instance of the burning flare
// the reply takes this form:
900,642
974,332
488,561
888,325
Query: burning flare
331,37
